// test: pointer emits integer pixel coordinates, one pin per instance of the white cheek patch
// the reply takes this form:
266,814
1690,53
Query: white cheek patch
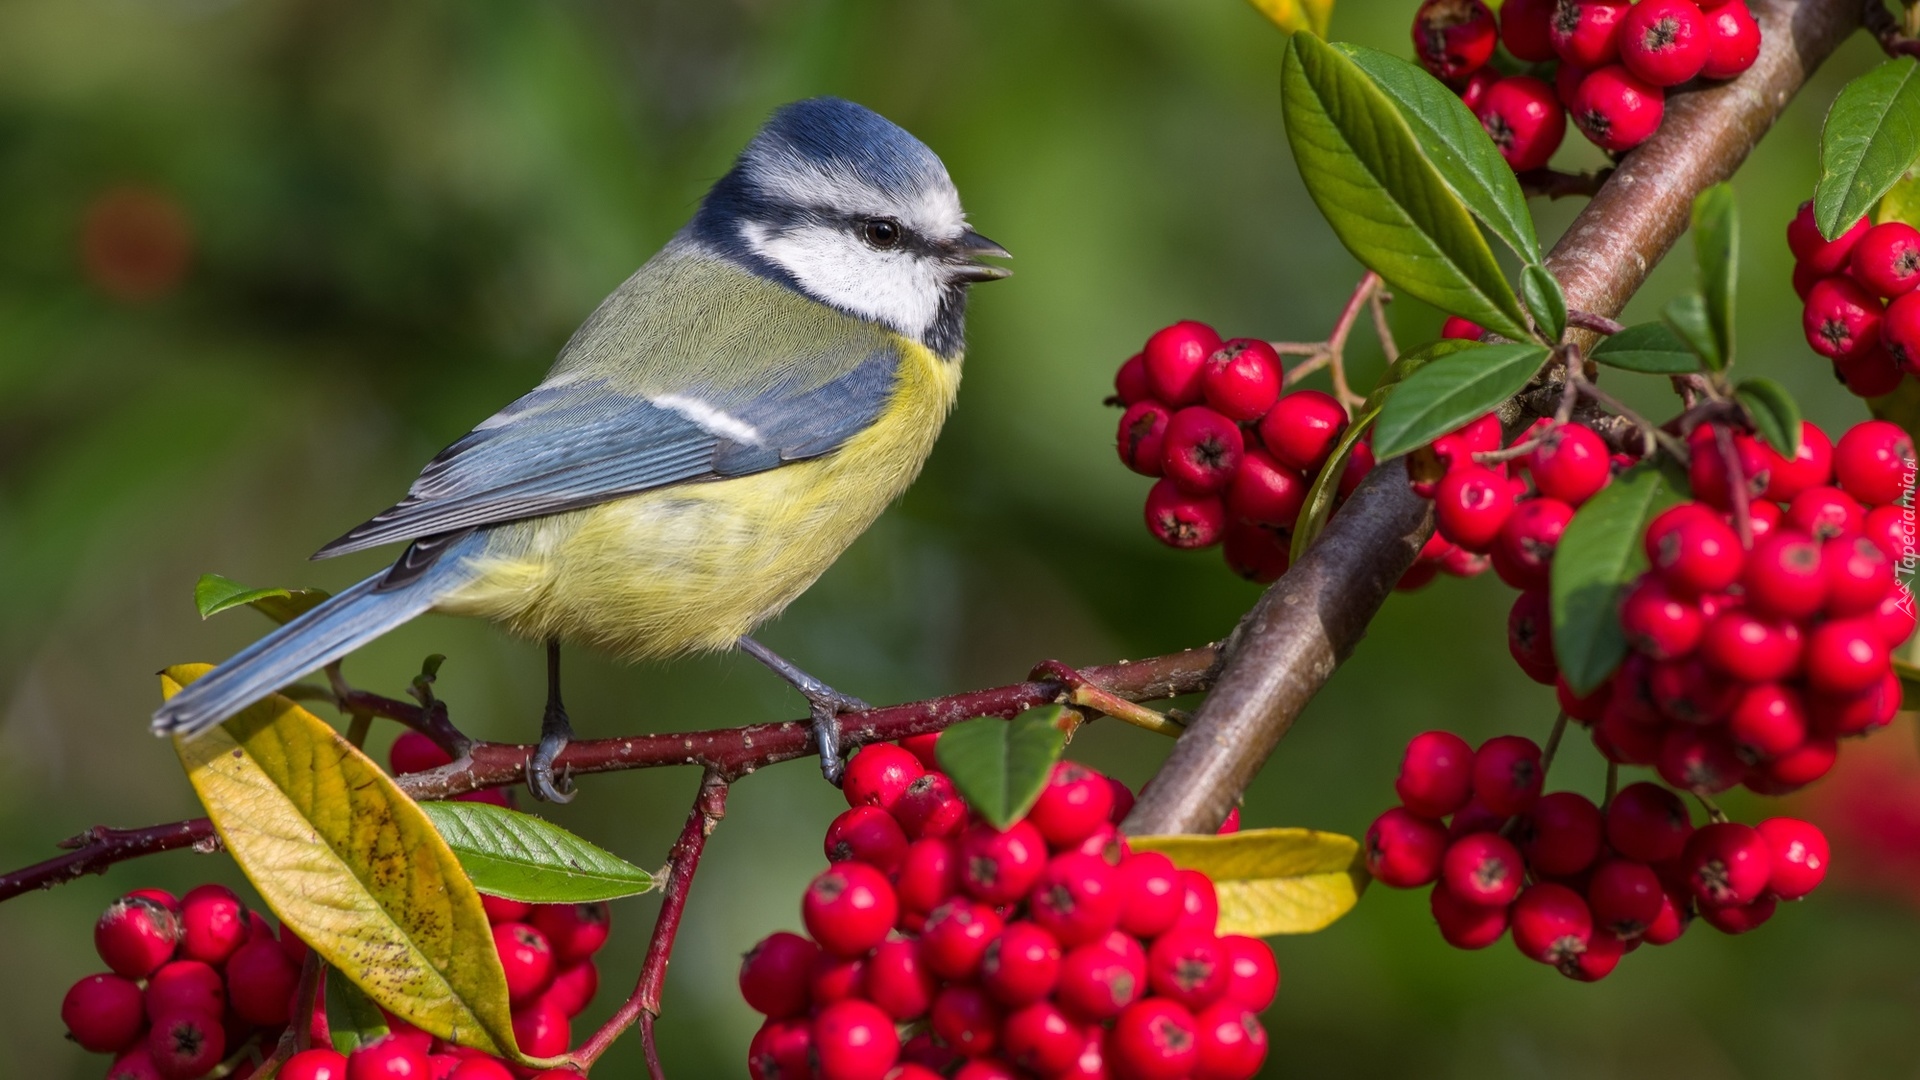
716,421
832,265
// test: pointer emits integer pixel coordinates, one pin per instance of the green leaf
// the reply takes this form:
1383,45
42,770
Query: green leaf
1271,881
1776,416
522,857
1319,503
352,1018
343,857
1291,15
1650,347
1686,315
1450,391
1384,198
1545,301
1599,555
213,594
1871,137
1456,144
1000,766
1716,253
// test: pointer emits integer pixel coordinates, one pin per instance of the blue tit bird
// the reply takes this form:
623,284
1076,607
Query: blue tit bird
709,441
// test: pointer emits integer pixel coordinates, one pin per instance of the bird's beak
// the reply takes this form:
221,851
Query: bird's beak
967,249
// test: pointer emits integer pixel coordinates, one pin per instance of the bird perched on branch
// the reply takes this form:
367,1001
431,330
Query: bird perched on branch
719,430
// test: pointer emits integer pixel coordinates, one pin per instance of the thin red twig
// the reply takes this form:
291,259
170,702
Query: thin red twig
101,847
709,806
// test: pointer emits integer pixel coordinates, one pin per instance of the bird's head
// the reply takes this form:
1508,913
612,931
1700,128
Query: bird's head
839,202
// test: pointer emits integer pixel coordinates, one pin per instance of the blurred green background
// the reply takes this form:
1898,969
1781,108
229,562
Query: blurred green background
259,260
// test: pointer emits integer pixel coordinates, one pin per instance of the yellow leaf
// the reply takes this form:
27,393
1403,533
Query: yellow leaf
1271,881
1291,15
352,864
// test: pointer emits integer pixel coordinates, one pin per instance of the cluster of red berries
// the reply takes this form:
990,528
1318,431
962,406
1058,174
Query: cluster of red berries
1580,886
1861,309
1612,62
1235,456
201,982
1047,949
1747,664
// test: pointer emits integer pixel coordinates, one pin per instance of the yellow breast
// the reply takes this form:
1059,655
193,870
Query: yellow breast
694,566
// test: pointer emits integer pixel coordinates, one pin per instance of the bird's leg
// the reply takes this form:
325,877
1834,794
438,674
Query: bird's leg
823,701
555,733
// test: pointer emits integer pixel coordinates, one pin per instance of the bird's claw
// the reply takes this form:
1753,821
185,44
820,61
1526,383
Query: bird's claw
555,734
826,709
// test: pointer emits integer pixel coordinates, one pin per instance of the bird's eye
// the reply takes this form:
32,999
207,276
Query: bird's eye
881,233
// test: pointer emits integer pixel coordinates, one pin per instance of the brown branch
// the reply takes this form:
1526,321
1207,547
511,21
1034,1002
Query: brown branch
1555,184
709,806
728,753
1310,620
1887,30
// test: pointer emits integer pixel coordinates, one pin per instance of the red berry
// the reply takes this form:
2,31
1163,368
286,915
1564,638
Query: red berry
104,1013
1841,319
527,958
1130,382
773,974
1658,622
1585,33
1817,252
1857,713
1042,1039
1077,898
1150,893
1458,328
854,1040
1253,977
1203,450
500,909
186,1045
1800,856
1255,552
1824,513
1667,926
1233,1045
1523,551
1265,492
931,808
316,1065
413,752
1199,903
1791,772
1471,504
540,1029
964,1018
1784,576
896,979
780,1050
1242,380
834,978
1179,519
1900,333
1665,42
1700,760
867,834
1587,709
261,982
136,936
1894,616
135,1064
1524,119
1189,966
1811,467
1463,925
1887,259
1551,924
956,938
1615,109
1359,465
1301,429
1874,461
1769,721
1870,373
1436,774
849,908
1845,656
1483,868
1648,823
486,1068
1096,982
1526,30
212,924
1727,864
573,987
1176,357
1142,438
1560,836
1747,647
1803,275
1707,474
185,986
1530,636
1000,867
1404,849
1739,918
1733,40
1021,965
1452,38
1693,549
1156,1039
1570,463
1859,575
928,875
1507,774
879,774
1625,897
576,931
1602,955
1690,692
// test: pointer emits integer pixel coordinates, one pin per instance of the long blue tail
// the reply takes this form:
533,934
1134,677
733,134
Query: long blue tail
337,627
